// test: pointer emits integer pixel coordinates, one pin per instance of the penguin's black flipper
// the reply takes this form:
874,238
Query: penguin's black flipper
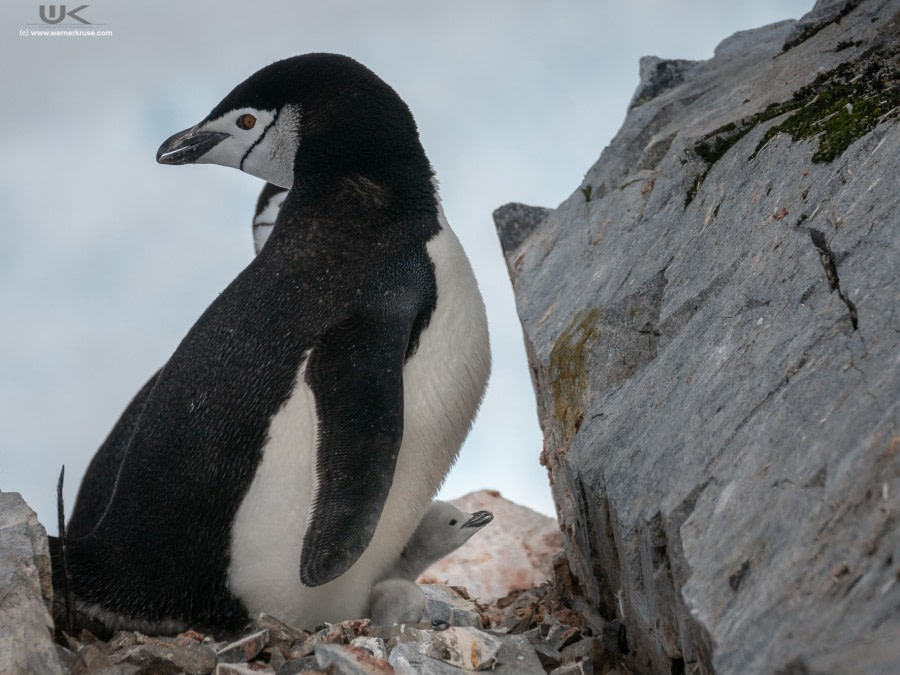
100,478
356,376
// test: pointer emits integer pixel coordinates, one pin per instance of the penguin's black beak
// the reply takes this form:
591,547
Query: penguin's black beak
188,146
479,519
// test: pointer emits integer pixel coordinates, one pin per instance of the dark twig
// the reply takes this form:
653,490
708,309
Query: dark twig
67,578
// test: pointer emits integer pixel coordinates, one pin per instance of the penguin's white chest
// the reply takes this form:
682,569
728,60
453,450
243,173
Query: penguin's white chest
443,384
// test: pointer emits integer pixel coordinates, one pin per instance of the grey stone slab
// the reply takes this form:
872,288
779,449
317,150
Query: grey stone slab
26,628
719,393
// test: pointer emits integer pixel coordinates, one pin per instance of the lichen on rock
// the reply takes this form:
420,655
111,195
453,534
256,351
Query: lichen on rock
568,369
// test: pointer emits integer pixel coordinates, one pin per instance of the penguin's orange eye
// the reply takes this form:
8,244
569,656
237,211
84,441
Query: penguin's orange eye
246,121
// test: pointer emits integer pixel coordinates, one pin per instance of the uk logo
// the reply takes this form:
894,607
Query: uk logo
54,14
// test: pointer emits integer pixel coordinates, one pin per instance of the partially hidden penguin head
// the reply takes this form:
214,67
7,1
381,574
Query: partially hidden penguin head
267,207
315,116
444,528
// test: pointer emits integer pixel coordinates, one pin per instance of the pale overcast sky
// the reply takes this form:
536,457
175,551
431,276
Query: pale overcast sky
108,258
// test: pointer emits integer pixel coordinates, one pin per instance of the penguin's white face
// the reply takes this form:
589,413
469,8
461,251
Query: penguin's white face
262,143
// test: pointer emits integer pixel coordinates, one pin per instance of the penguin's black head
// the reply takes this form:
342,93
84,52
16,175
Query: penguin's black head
313,116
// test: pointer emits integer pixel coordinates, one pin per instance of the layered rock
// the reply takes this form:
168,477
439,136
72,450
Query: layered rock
26,628
713,326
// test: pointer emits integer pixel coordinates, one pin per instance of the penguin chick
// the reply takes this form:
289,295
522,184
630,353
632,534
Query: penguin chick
397,601
444,528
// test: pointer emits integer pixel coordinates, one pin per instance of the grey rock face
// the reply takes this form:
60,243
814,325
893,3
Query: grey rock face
26,628
718,384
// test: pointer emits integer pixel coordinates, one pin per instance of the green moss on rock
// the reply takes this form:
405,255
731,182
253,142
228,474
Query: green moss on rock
842,105
836,108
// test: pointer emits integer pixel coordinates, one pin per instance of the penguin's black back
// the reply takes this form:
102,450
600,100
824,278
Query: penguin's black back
199,440
347,252
100,478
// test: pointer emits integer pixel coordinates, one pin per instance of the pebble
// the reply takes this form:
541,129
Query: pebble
467,648
302,665
88,658
243,669
280,633
245,649
374,645
349,660
194,659
444,604
407,660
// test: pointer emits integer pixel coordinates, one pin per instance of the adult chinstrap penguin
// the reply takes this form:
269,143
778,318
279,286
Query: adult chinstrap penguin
290,446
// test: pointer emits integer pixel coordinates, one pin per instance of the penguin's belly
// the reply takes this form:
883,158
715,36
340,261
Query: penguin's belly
443,383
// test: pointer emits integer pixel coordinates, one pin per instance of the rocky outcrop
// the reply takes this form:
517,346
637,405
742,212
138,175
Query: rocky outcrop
26,628
515,551
713,326
526,632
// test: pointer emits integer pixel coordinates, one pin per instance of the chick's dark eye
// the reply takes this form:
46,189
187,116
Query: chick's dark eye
246,121
453,522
